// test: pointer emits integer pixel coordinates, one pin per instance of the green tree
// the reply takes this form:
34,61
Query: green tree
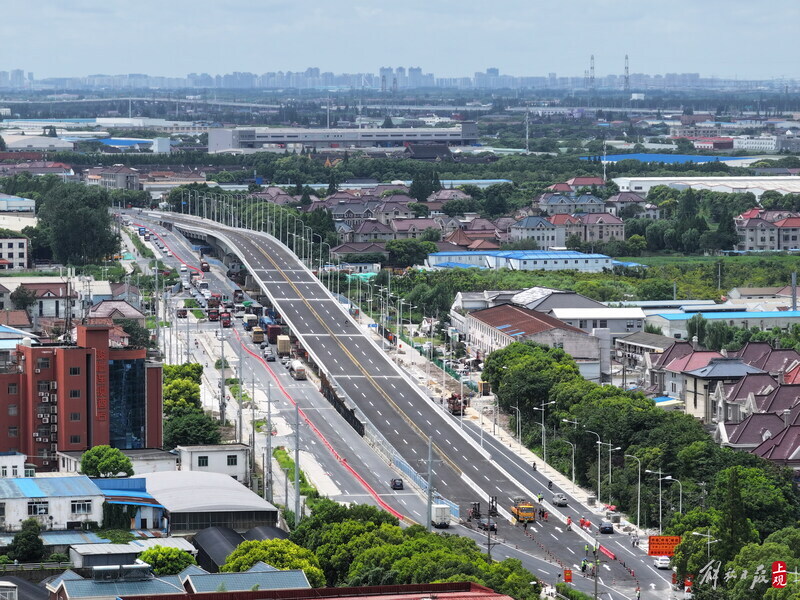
387,123
431,234
3,146
190,371
281,554
696,327
27,546
105,461
23,298
419,209
636,245
749,562
78,223
138,336
166,560
735,529
420,187
410,252
181,393
191,428
768,506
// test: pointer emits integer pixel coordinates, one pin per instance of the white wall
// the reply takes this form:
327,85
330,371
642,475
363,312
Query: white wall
59,508
217,460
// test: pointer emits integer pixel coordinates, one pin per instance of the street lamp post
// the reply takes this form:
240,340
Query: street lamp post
660,477
638,487
573,463
680,492
598,462
544,436
709,541
610,450
519,427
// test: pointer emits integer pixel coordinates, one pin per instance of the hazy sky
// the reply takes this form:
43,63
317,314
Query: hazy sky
724,38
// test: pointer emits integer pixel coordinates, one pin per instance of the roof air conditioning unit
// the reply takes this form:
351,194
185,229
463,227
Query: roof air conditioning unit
35,434
45,398
45,462
37,371
45,440
45,419
40,416
41,394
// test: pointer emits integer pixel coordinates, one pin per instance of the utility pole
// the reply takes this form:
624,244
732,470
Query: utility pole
268,459
222,374
241,389
296,464
430,483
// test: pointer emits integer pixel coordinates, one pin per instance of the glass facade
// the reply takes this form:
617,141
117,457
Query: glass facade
127,403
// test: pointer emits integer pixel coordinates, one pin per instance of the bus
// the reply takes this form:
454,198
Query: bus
257,335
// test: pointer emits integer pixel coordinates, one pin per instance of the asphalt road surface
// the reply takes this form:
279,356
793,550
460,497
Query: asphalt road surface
406,417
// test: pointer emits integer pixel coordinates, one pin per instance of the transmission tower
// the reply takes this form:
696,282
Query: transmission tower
627,83
591,73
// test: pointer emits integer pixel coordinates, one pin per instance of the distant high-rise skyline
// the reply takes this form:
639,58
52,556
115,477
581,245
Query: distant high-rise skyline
391,80
726,39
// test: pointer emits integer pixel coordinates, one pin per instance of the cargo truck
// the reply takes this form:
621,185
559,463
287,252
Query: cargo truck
215,300
523,511
181,313
225,319
273,331
204,266
257,336
297,369
213,314
440,516
284,345
249,321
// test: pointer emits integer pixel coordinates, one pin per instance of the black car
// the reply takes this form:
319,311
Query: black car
485,524
606,527
269,357
264,344
396,483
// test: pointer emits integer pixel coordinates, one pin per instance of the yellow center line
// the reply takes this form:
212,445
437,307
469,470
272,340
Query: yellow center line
358,364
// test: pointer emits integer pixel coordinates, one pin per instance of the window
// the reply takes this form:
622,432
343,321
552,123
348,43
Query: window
75,416
81,507
232,460
74,393
13,410
14,471
74,370
13,431
42,363
4,471
202,461
13,389
74,439
38,507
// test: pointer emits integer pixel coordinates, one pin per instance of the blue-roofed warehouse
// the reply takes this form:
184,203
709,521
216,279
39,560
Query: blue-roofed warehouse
58,503
675,325
521,260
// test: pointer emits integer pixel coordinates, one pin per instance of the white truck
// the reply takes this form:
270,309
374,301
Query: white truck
440,516
297,369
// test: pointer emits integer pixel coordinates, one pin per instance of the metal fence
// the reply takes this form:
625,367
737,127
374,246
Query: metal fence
422,483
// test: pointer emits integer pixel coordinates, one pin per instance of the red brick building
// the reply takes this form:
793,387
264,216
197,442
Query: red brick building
72,397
